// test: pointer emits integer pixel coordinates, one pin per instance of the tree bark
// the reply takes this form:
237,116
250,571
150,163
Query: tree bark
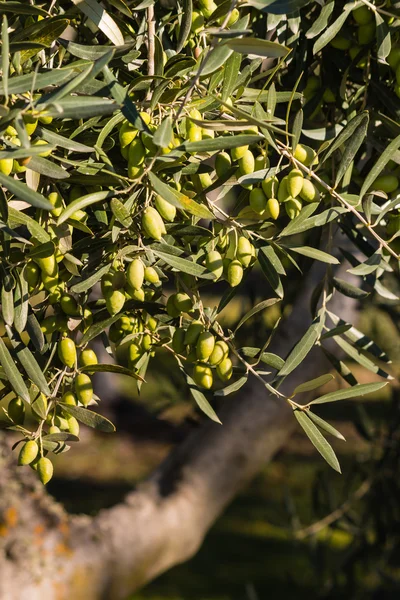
46,554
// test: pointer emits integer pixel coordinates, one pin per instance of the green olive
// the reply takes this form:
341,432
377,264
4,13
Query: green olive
202,375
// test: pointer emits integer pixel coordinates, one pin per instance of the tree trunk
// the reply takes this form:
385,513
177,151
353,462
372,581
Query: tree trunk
46,554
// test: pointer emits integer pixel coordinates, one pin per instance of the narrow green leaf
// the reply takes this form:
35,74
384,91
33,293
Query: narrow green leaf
21,302
363,360
302,348
61,436
321,21
164,134
17,217
55,139
260,306
95,52
186,24
348,289
308,386
361,389
233,387
351,149
297,224
383,41
315,254
89,418
184,265
23,192
340,367
36,81
83,202
202,401
35,333
223,142
47,168
97,13
97,328
325,426
258,47
380,164
7,300
334,28
12,373
317,439
5,59
28,361
85,106
359,339
109,368
231,72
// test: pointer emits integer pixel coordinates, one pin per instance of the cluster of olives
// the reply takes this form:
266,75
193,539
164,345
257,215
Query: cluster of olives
9,166
200,347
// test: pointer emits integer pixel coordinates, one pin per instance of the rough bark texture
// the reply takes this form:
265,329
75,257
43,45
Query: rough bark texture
48,555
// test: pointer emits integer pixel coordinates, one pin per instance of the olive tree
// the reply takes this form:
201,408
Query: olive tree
152,153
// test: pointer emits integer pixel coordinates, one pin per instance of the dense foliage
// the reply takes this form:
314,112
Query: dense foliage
152,151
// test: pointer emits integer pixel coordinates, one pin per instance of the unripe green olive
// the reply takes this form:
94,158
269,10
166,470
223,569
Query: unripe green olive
32,274
234,273
73,425
87,357
166,210
232,19
28,453
118,280
16,411
246,163
214,263
68,397
115,302
151,275
366,33
224,369
238,153
61,422
147,342
54,429
197,22
221,351
243,252
48,265
182,302
394,57
69,305
386,183
202,376
223,163
207,134
45,153
362,15
49,324
83,388
294,182
273,208
208,7
56,200
293,207
45,120
178,340
50,283
194,133
258,200
205,345
6,165
172,310
305,155
30,123
340,42
151,323
152,223
193,332
45,470
134,353
136,152
270,186
205,180
126,134
67,352
135,274
283,192
309,192
139,294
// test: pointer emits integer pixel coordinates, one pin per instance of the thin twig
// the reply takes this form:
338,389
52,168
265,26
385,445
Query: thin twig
336,514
